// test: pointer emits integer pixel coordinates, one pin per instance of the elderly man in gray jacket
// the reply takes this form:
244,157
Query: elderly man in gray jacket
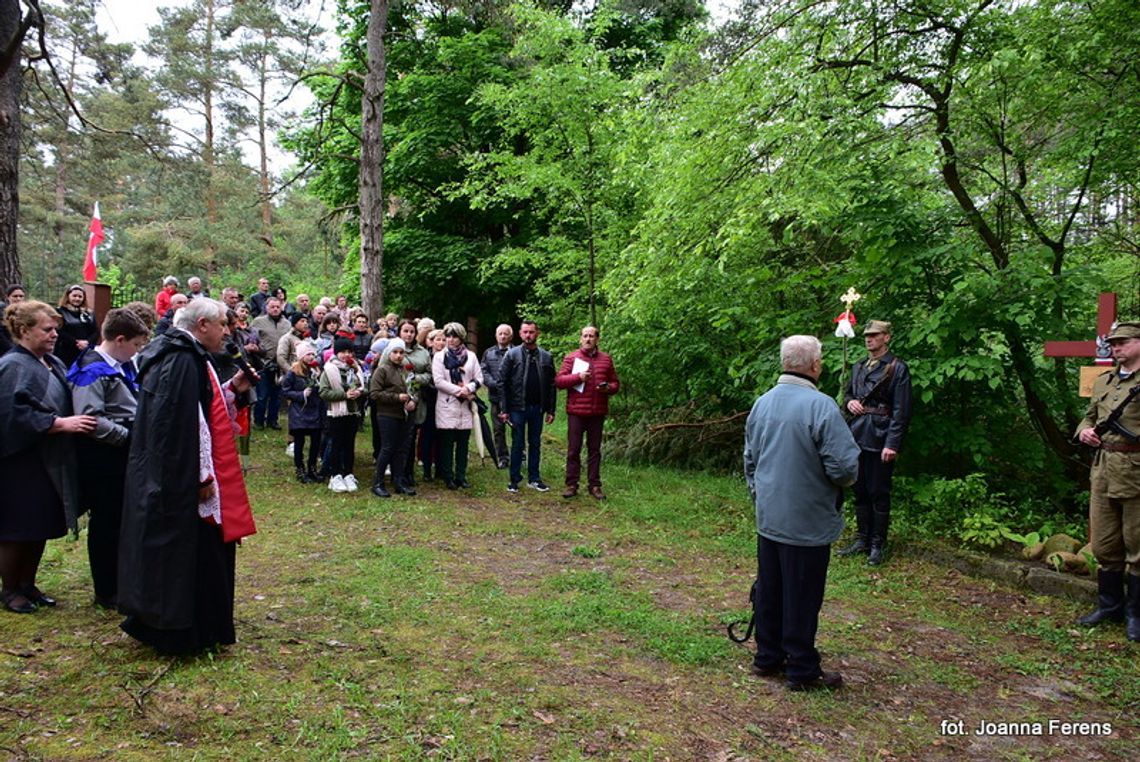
798,455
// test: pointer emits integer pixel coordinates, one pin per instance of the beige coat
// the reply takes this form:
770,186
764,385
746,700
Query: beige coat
450,411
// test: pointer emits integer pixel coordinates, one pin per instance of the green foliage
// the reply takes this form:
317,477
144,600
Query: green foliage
983,531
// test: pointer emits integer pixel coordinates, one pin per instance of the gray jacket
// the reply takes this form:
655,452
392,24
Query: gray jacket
798,454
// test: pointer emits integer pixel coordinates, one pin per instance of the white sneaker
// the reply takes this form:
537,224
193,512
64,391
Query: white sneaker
336,484
289,450
350,483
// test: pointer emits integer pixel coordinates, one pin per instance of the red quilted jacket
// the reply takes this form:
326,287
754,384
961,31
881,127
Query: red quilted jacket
591,400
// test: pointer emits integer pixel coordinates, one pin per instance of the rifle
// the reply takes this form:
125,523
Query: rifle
1112,422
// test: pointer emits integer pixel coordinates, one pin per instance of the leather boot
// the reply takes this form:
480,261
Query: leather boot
1132,609
1109,599
862,532
881,521
301,476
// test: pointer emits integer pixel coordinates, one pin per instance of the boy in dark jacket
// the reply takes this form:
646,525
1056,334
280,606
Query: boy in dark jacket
102,381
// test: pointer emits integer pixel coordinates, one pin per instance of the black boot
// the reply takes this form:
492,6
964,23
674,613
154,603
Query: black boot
1132,609
302,476
862,532
881,520
312,477
1109,599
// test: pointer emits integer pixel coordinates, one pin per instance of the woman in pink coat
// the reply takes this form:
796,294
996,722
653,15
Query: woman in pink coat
457,377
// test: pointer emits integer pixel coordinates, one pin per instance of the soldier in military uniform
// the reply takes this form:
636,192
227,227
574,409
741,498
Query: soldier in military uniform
878,399
1112,426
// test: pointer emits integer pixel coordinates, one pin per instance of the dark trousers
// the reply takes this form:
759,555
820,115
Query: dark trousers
377,430
453,446
411,449
342,432
591,427
395,436
499,434
102,477
873,496
268,404
299,437
429,440
527,425
788,599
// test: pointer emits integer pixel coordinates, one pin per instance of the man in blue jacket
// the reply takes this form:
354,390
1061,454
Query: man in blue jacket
798,455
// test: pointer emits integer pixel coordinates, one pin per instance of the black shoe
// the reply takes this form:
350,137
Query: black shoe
275,426
503,463
379,491
827,681
302,476
860,546
539,485
38,597
427,474
464,484
312,477
450,484
1109,599
17,603
770,670
513,487
875,557
405,490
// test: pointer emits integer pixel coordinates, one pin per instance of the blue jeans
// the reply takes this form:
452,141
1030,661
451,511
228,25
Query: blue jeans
528,423
268,403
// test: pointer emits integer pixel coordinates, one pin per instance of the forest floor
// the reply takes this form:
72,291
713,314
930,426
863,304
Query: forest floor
483,625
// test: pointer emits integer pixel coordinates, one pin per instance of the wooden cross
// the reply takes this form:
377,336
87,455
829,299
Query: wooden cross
1098,347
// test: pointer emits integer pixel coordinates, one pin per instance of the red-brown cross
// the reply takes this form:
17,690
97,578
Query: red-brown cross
1098,348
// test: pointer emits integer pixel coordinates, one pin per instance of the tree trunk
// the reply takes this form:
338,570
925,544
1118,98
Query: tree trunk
208,148
10,85
263,148
372,166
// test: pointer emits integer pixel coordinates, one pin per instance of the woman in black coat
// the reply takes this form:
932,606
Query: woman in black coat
37,462
79,329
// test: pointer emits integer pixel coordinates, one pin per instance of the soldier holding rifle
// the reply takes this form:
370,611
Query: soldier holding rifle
1112,426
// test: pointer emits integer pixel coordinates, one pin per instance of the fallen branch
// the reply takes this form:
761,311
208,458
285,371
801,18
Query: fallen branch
146,690
697,424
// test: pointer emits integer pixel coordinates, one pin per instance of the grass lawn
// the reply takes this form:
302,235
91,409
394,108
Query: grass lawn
484,625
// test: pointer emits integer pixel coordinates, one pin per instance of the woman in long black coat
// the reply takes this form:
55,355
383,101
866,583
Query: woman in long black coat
37,462
79,329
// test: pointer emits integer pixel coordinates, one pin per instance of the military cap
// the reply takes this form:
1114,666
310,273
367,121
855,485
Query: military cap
1124,330
877,326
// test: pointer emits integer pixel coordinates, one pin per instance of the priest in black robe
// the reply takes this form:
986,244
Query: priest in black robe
185,507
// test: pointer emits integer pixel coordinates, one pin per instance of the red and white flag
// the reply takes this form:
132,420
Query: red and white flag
93,242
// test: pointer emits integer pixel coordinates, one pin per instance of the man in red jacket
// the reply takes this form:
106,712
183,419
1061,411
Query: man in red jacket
589,379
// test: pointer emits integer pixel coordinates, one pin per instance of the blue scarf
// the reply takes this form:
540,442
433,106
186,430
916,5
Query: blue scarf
454,360
100,368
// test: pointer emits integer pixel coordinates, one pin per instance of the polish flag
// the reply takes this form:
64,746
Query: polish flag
93,241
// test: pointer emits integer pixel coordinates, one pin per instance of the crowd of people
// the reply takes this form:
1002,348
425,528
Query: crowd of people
142,421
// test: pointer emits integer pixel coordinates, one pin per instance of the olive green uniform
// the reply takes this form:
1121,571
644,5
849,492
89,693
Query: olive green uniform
1114,500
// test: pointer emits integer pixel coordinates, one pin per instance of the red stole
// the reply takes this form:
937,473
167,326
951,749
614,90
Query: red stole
237,515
